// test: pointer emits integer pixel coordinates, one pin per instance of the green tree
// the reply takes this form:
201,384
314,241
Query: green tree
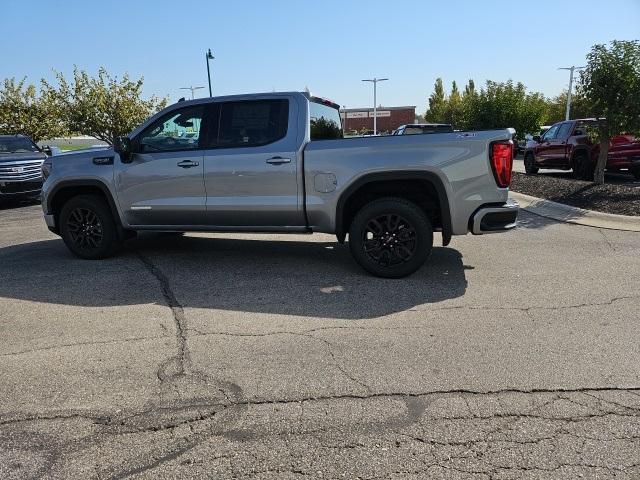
611,83
437,104
454,110
103,107
23,111
557,107
506,104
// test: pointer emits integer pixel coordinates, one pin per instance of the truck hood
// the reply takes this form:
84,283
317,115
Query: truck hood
19,157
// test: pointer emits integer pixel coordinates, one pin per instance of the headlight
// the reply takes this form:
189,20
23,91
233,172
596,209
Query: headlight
47,165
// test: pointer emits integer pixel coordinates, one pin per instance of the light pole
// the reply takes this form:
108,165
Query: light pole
375,101
209,56
344,122
193,89
571,69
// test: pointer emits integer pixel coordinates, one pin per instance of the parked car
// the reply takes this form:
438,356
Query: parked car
566,146
20,167
277,162
420,128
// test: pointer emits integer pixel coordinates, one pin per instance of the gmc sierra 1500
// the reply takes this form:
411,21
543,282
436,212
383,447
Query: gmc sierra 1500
277,162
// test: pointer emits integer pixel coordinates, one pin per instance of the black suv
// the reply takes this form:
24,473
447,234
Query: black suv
20,166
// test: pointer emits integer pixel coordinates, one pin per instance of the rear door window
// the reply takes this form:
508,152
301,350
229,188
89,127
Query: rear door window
563,131
326,123
252,123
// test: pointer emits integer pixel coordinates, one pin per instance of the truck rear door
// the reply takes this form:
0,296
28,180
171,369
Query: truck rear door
251,165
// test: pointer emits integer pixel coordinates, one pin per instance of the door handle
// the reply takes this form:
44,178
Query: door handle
188,164
278,160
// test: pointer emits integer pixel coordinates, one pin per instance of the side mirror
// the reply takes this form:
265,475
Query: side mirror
122,146
536,138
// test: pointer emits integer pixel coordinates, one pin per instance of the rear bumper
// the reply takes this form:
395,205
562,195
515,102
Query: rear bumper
494,218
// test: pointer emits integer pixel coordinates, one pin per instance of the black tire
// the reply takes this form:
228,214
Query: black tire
636,173
87,227
390,237
529,164
582,167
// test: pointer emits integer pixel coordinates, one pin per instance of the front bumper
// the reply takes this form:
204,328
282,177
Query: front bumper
51,221
16,188
494,218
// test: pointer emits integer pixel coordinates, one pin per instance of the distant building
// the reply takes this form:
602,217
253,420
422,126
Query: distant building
389,118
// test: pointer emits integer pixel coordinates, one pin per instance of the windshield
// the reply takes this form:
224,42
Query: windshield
17,145
325,121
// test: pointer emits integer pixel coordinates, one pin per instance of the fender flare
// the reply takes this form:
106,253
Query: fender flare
432,178
85,183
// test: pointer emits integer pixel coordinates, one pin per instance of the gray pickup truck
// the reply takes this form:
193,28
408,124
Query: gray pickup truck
277,162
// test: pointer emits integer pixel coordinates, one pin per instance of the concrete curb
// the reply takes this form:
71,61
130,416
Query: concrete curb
578,216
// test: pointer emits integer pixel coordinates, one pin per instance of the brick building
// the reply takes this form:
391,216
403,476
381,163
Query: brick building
389,118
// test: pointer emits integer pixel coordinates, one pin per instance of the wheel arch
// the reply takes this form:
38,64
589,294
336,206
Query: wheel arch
68,189
424,188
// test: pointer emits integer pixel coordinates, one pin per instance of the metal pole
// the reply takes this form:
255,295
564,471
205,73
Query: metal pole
566,115
570,92
208,72
375,108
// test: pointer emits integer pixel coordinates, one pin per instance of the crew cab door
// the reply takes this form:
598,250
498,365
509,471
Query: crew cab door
252,165
557,152
163,185
547,147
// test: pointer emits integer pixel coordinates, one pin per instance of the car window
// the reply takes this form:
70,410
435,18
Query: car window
325,121
563,131
551,133
178,130
17,145
252,123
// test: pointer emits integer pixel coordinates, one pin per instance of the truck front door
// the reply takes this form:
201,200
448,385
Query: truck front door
252,167
163,183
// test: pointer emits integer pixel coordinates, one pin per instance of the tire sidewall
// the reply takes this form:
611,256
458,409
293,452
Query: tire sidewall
100,208
529,164
411,213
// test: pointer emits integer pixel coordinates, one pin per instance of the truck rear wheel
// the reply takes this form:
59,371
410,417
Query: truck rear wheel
582,167
530,164
390,237
87,227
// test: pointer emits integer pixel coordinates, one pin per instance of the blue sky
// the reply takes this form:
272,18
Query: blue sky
328,46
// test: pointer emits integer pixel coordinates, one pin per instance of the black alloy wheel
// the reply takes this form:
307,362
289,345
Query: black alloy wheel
390,237
87,227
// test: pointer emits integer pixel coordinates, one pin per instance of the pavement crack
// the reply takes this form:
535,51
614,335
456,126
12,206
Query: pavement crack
178,364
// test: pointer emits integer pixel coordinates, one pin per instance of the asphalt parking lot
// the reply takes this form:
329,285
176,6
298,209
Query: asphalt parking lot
241,356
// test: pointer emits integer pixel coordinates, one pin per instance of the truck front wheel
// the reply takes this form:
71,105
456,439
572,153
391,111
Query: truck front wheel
87,227
390,237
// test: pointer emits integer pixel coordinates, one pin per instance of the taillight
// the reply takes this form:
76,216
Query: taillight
502,162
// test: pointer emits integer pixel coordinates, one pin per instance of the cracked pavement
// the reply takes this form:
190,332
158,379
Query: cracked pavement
245,356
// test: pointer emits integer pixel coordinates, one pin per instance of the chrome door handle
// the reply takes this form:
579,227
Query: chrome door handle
278,160
188,164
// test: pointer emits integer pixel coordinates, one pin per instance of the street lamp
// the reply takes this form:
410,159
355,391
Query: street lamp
571,70
193,89
209,56
375,108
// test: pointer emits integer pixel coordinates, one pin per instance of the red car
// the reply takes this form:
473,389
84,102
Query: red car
566,146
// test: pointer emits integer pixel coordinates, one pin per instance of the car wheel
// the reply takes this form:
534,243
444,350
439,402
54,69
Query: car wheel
530,164
390,237
87,227
582,169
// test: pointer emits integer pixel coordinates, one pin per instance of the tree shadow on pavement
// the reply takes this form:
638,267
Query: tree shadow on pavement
290,277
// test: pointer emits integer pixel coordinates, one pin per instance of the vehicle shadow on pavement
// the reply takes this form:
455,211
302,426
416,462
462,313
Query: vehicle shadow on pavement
302,278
